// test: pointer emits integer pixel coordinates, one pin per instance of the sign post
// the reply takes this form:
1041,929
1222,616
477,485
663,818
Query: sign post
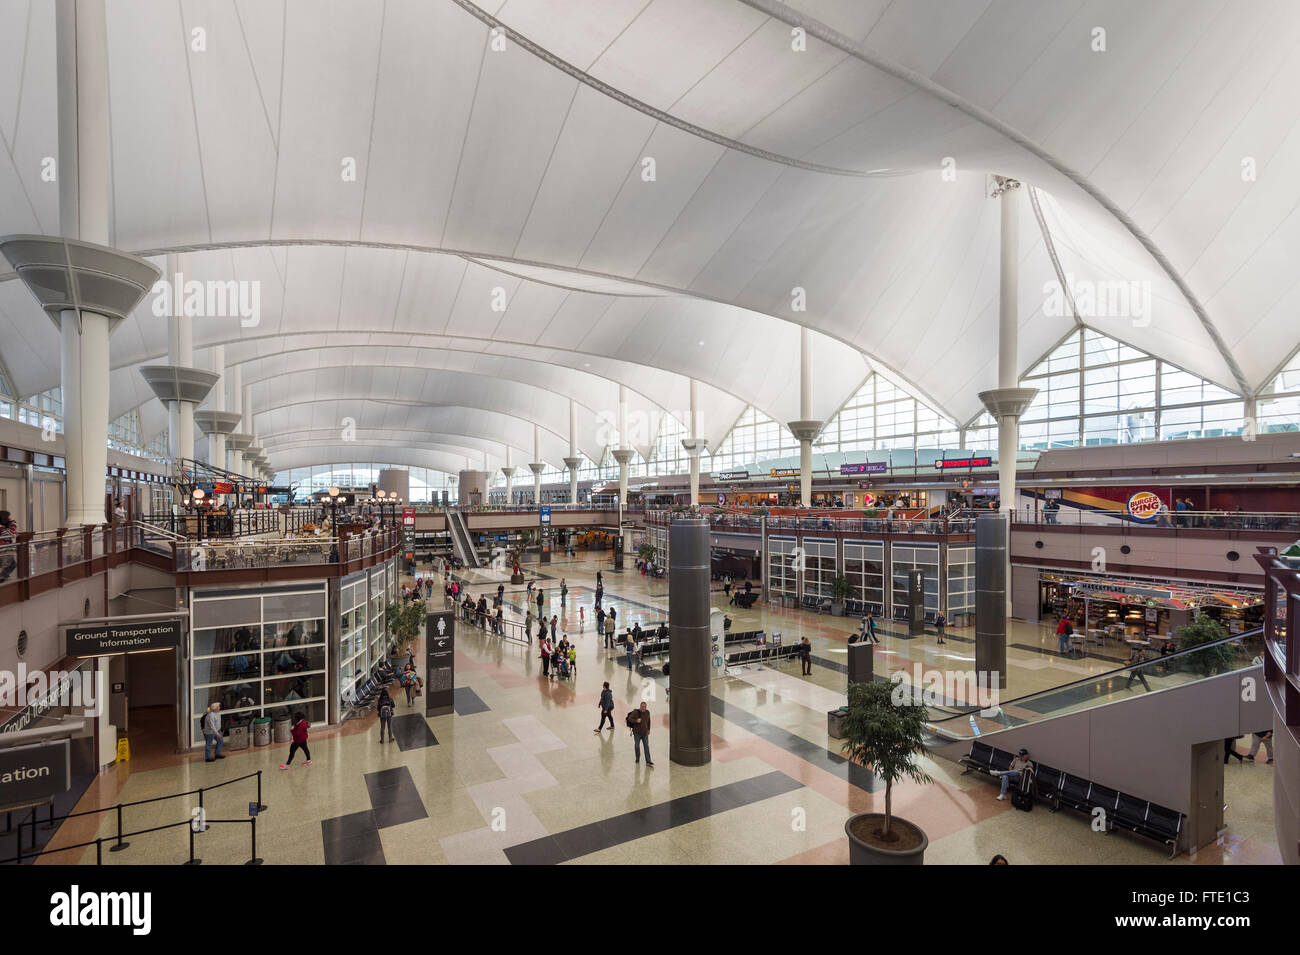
544,534
440,663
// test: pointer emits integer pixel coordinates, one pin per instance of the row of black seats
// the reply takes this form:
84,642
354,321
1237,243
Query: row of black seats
744,636
763,653
1122,811
858,608
817,604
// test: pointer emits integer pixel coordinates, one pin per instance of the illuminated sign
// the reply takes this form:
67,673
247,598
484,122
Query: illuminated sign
871,467
945,463
408,517
1144,506
731,476
784,472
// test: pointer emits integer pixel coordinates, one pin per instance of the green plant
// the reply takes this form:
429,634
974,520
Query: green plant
886,737
405,619
873,512
1211,660
525,538
841,589
647,552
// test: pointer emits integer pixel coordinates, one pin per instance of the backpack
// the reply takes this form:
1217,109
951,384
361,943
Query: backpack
386,711
632,718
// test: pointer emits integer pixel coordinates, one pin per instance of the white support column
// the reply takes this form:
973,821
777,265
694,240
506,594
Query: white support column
239,440
537,466
694,444
509,472
81,33
573,461
806,428
1008,402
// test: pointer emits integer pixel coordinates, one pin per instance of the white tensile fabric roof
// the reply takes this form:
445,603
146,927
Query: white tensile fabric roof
504,146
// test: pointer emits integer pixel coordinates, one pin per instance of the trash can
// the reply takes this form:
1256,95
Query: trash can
237,738
280,729
262,731
834,719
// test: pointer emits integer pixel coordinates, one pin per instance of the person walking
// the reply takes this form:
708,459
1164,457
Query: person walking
212,733
528,625
1261,738
1063,632
940,621
630,646
606,705
564,592
582,618
298,735
555,624
411,683
600,618
726,586
386,709
805,656
609,633
539,602
871,627
639,722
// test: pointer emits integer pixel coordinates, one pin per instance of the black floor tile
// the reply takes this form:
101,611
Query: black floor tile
467,702
412,732
396,813
352,840
346,827
584,840
544,851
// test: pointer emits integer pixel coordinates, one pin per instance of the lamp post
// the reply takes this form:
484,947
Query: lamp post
197,494
380,496
333,499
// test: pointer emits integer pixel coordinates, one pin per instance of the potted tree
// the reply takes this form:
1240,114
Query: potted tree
404,620
841,590
888,739
1211,660
647,552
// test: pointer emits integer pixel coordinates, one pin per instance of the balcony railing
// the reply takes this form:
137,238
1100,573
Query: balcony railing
200,557
1185,520
750,523
208,524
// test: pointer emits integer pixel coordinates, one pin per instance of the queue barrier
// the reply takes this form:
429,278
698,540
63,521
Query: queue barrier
117,840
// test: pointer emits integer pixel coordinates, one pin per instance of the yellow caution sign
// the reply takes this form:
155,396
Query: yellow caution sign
123,748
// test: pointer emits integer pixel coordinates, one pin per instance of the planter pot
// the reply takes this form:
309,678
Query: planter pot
865,853
837,610
516,578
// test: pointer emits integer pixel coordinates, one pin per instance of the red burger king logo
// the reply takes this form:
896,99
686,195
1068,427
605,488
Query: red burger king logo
1144,506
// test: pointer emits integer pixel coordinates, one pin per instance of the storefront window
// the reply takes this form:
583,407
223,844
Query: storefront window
864,565
819,567
961,580
258,654
907,557
780,566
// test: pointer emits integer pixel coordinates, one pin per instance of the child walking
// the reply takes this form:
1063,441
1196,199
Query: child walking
299,736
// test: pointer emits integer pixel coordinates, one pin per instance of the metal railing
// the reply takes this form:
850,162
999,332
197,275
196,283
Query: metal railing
751,523
33,555
1185,520
197,823
204,524
198,557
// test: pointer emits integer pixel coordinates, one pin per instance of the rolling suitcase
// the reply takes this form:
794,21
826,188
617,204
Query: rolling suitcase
1022,801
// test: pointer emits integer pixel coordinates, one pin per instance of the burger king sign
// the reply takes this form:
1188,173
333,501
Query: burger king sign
1144,506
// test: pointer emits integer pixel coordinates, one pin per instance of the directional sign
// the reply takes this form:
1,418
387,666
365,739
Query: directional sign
440,663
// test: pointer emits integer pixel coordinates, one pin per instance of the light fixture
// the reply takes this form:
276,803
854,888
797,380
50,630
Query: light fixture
198,493
334,492
380,493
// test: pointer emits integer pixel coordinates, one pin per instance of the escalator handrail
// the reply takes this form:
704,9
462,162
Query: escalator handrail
1106,674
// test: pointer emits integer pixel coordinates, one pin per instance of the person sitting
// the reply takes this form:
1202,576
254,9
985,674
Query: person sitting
726,623
1020,765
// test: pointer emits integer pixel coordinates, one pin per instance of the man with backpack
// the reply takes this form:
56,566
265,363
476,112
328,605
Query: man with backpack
1064,630
606,705
385,715
638,721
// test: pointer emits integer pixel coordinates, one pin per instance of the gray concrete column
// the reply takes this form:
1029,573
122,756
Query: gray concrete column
991,558
690,716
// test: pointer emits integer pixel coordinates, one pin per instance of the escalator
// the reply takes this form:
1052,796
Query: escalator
461,545
1235,653
1158,731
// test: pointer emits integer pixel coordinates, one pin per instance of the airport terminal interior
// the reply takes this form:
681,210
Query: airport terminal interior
644,432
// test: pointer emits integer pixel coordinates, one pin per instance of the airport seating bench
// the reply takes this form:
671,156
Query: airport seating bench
816,604
1122,811
762,654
